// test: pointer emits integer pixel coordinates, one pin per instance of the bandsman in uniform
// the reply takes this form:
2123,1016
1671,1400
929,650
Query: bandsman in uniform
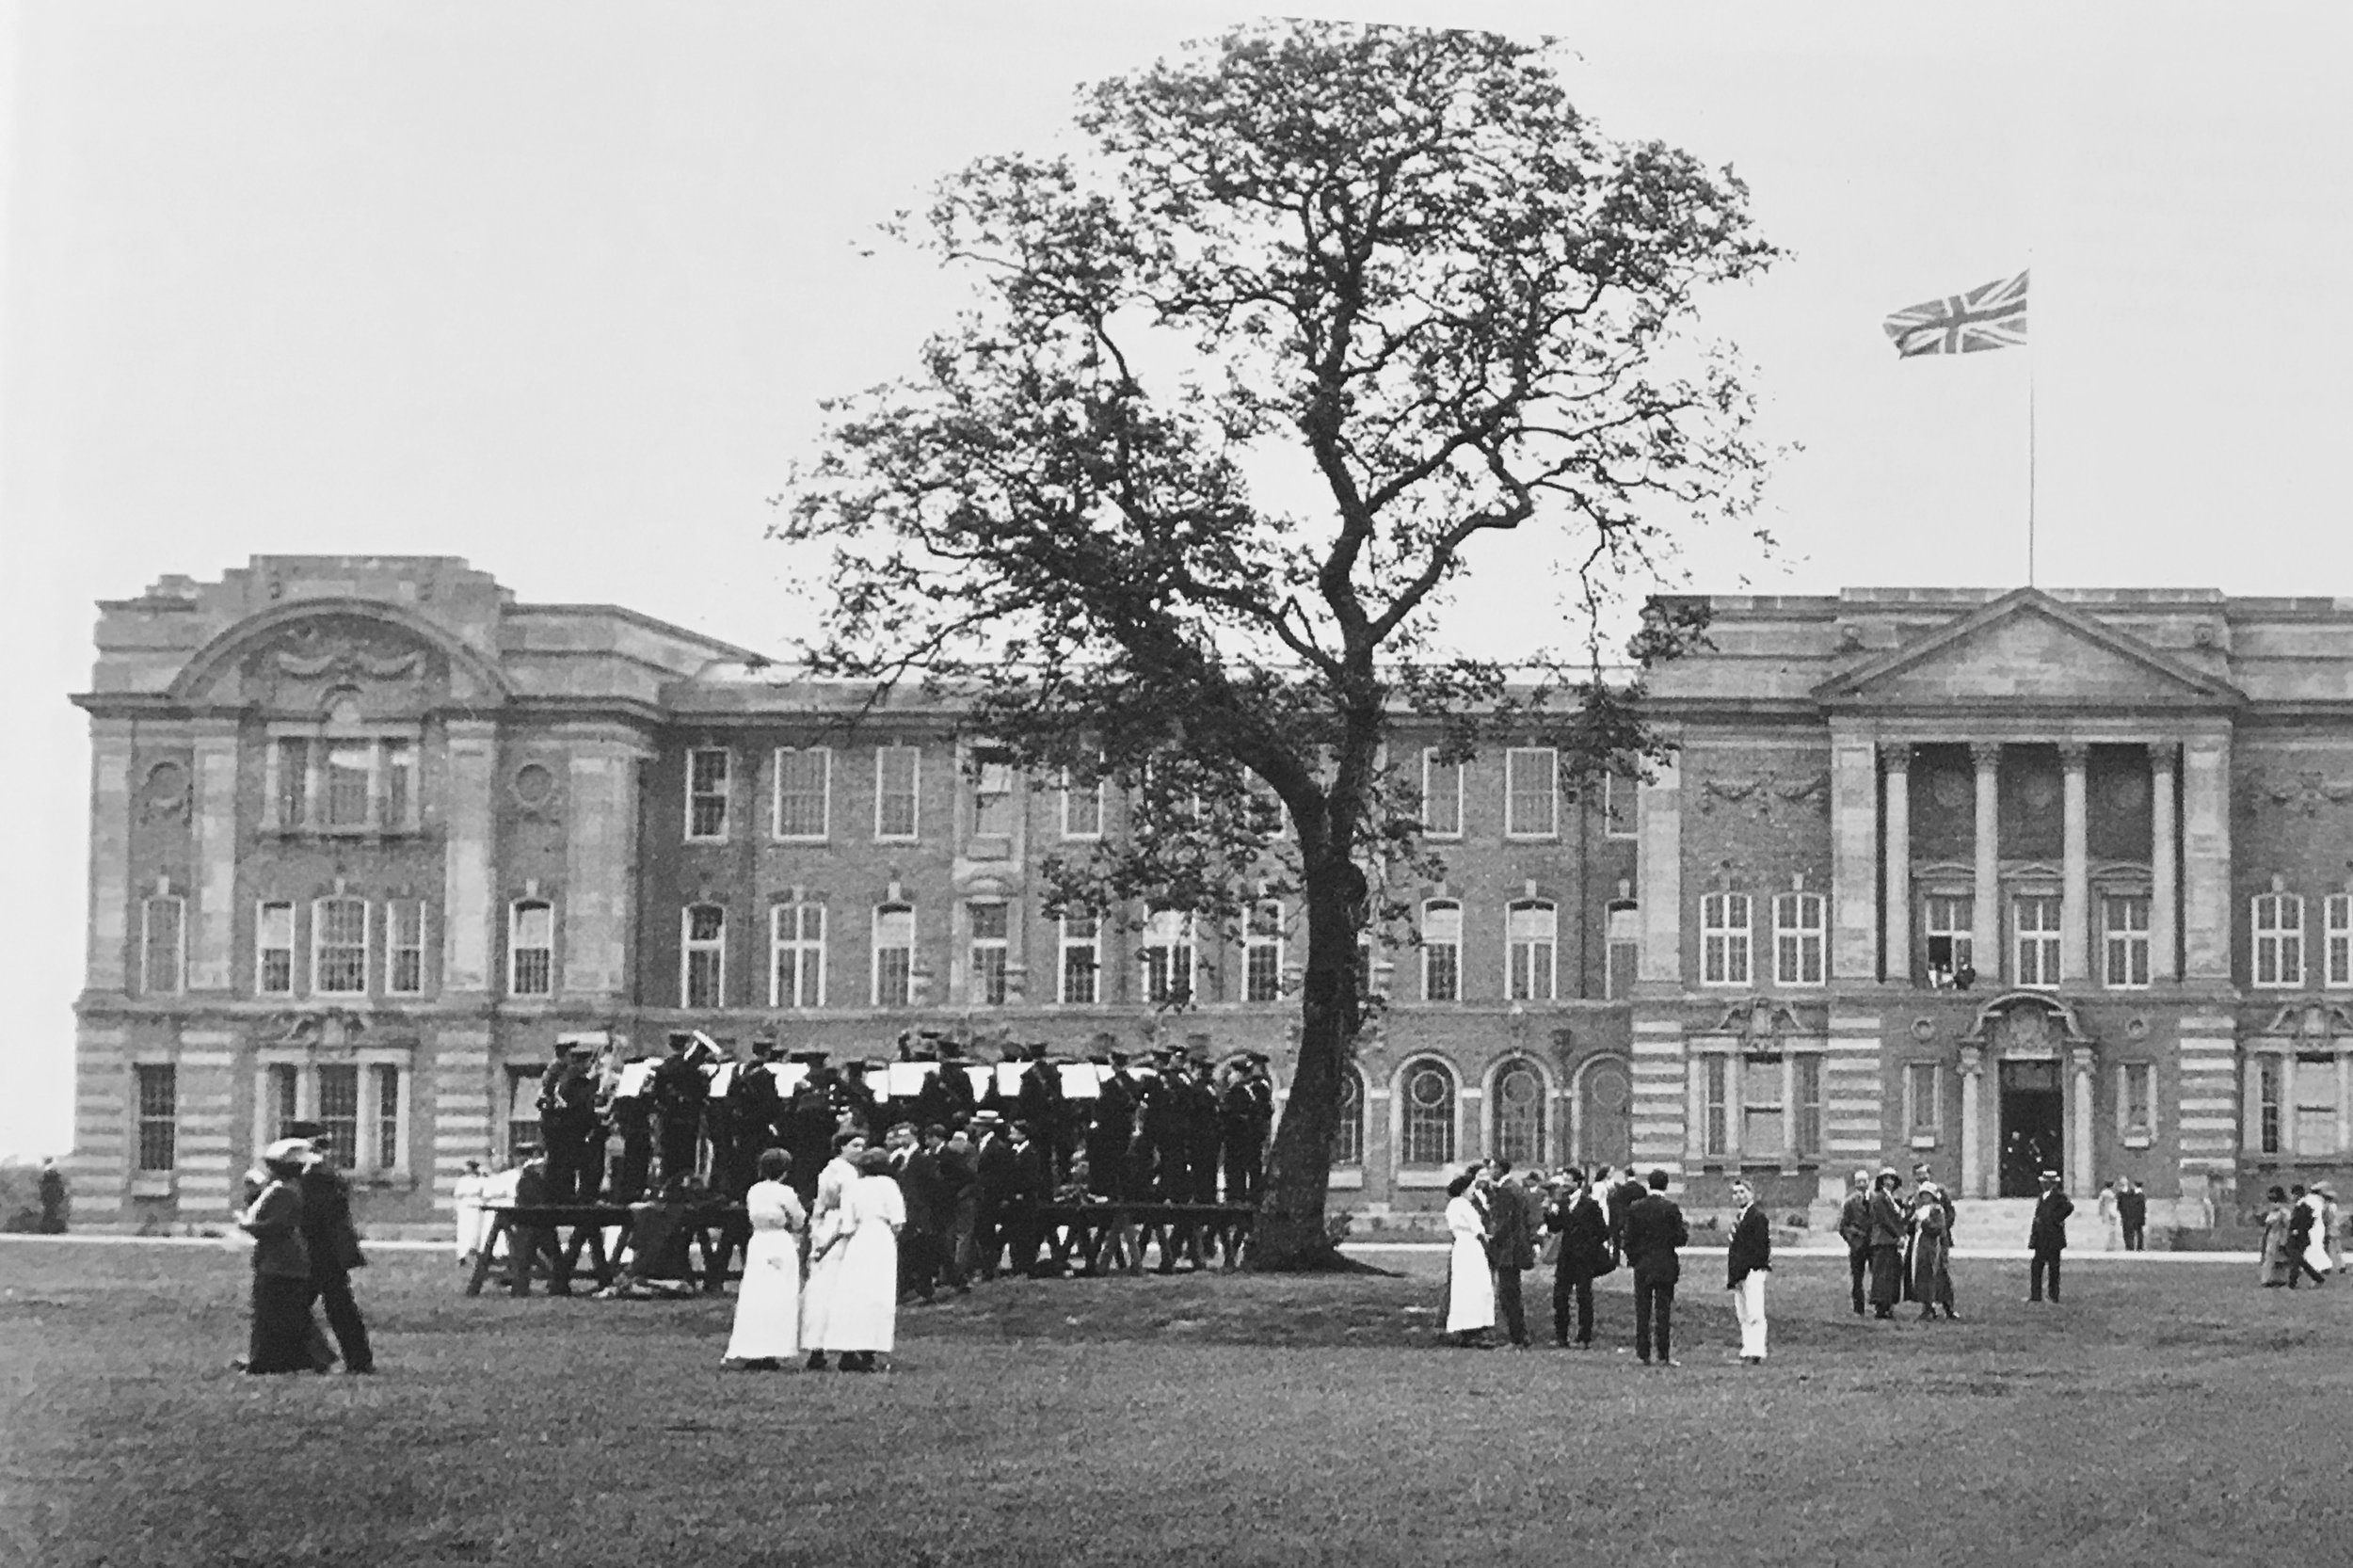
1112,1129
1203,1132
1246,1114
631,1111
1040,1105
568,1125
679,1093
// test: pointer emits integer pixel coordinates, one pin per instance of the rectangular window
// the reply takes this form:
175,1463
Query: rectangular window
273,950
294,783
2270,1125
1532,798
2136,1101
2280,939
339,1109
2338,912
1262,953
1442,951
1724,936
707,795
349,772
1799,932
1923,1103
1716,1105
1531,929
404,947
1947,932
803,793
162,949
1081,808
159,1116
339,947
897,783
1348,1139
2315,1104
1805,1076
387,1087
1762,1126
894,955
522,1110
1167,958
531,949
400,784
2125,926
992,796
283,1086
703,960
1082,959
1441,796
796,940
990,924
2035,926
1619,792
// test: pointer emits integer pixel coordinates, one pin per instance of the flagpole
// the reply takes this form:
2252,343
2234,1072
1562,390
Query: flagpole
2030,444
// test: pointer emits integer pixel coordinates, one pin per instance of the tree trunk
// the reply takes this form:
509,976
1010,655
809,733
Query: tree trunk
1289,1233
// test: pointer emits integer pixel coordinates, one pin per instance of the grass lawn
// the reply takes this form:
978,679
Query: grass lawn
2169,1413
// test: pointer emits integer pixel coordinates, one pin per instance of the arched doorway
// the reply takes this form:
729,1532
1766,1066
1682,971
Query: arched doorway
1605,1112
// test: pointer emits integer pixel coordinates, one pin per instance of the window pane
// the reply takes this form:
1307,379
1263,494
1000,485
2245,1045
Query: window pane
388,1148
342,945
1532,797
1807,1113
1442,796
349,766
1519,1115
274,935
1348,1145
1429,1116
895,773
339,1110
159,1118
894,955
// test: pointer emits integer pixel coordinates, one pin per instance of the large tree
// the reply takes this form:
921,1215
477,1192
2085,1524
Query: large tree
1178,502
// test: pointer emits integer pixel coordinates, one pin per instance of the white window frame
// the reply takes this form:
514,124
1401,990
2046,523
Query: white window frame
391,749
1513,827
891,914
2337,948
1091,944
783,759
1936,908
517,947
1431,767
992,766
1169,932
1262,939
1778,1066
1624,935
1521,981
1436,939
698,789
786,933
1800,946
263,947
2278,941
394,947
1451,1126
143,1075
1727,939
982,953
1069,795
690,947
2124,944
2327,1104
179,976
366,1157
319,944
914,793
2044,940
1718,1105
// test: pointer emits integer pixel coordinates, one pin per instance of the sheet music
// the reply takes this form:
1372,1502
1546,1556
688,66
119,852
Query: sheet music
907,1078
981,1077
789,1076
1008,1078
721,1077
634,1077
878,1083
1078,1081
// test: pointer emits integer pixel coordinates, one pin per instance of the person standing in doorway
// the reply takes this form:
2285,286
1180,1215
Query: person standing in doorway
1654,1229
1747,1261
2047,1239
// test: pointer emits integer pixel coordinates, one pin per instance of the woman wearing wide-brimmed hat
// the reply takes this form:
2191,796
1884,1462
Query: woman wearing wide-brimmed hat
1470,1283
283,1328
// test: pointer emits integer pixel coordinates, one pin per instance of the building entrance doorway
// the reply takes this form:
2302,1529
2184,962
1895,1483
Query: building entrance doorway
2034,1121
1605,1113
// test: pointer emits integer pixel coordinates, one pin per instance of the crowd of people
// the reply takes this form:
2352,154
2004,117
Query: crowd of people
2300,1236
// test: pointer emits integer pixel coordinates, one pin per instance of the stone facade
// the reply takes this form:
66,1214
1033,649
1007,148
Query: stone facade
367,835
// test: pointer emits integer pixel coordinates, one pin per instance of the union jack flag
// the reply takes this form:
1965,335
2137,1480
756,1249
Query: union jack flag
1992,315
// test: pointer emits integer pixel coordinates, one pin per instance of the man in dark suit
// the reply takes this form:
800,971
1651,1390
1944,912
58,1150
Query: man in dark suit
333,1244
2047,1239
1032,1180
923,1184
1624,1195
569,1123
1510,1247
993,1173
1654,1229
1576,1217
1246,1114
2131,1212
679,1090
1747,1262
1854,1229
1111,1128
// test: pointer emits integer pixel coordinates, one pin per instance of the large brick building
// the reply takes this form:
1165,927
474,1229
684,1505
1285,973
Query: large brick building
367,834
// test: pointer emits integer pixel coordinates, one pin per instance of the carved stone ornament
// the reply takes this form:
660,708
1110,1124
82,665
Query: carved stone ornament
164,791
2028,1025
2312,1025
1924,1029
1758,794
322,1025
534,787
315,653
2306,791
1760,1021
2135,1028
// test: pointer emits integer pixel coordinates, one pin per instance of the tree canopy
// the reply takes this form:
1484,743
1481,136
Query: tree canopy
1178,503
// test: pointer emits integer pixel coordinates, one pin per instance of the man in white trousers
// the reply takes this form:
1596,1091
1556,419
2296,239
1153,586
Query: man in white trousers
1748,1260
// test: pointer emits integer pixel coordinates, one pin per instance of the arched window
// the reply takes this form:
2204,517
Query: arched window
1428,1102
1518,1101
1348,1144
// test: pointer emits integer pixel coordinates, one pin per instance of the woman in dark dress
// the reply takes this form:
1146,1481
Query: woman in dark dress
282,1329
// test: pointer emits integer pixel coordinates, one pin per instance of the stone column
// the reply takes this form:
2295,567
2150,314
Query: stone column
2206,857
1972,1132
109,855
1658,873
1985,937
2081,1179
212,815
1854,873
2075,866
468,904
1897,955
599,854
2164,957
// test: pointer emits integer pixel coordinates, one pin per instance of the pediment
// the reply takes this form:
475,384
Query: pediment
2027,648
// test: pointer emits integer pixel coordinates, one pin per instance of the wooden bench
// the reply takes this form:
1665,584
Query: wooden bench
1096,1237
550,1240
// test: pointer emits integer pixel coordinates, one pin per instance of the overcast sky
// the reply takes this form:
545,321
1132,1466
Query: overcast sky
557,287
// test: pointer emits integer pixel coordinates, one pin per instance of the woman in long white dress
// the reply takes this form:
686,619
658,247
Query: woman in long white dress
863,1316
825,1228
768,1307
471,1222
1470,1285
